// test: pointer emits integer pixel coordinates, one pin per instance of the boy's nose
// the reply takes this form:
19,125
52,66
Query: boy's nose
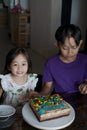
70,51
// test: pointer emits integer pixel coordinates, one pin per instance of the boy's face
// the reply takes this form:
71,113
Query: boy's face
69,50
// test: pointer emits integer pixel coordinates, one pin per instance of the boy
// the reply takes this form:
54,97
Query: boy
66,72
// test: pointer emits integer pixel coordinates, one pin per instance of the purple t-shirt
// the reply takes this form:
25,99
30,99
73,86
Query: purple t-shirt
65,76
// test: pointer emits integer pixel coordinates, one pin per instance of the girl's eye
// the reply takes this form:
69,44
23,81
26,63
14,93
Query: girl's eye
14,64
23,64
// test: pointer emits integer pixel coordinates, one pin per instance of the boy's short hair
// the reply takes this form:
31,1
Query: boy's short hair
70,30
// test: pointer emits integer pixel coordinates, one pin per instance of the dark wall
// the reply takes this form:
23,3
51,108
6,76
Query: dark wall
66,11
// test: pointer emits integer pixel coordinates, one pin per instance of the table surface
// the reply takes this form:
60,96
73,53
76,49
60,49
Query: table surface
79,103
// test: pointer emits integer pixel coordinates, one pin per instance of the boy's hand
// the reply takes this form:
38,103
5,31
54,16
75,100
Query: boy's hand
83,88
33,94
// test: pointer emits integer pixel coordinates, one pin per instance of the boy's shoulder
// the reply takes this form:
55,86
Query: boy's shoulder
82,55
53,59
82,58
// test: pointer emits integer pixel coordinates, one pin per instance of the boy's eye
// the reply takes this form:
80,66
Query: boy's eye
74,47
65,48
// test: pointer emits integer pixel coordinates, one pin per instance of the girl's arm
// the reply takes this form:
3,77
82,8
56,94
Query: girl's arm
1,91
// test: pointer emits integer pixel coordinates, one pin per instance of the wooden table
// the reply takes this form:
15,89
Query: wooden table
79,103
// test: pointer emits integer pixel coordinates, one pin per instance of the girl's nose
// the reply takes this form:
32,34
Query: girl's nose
19,67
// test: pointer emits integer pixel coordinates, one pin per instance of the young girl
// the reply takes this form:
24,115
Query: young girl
18,81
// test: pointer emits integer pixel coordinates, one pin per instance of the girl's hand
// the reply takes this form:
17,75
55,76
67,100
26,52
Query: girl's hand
33,94
83,88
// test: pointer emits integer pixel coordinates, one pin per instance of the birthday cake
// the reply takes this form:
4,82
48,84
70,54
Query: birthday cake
49,107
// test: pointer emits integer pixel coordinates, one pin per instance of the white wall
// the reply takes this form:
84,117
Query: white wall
55,23
79,16
6,2
25,4
45,18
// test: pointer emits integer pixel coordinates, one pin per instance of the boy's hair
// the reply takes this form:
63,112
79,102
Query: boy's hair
65,31
12,55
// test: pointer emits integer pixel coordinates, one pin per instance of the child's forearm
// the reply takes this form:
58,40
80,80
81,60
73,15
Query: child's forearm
46,90
83,87
1,92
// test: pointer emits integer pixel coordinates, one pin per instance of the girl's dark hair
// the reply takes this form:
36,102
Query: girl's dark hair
12,55
70,30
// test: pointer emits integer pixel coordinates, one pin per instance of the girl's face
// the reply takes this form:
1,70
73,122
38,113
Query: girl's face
19,66
69,50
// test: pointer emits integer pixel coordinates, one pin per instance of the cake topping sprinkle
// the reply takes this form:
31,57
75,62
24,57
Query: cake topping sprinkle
42,104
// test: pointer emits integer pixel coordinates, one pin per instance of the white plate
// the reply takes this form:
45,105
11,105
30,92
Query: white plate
6,110
53,124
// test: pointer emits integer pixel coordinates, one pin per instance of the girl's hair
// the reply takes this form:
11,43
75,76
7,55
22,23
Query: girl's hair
12,55
68,31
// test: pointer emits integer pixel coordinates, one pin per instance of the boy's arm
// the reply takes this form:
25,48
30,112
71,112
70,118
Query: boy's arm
47,88
85,81
83,87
